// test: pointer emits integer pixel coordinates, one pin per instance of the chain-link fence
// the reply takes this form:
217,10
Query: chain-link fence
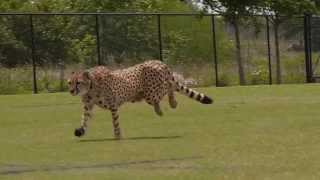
315,45
38,51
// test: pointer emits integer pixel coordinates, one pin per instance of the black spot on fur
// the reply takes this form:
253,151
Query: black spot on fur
206,100
87,114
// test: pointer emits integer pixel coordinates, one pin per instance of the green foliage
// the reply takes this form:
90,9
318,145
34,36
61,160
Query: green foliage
132,37
294,68
289,7
15,80
13,45
224,80
231,9
187,40
72,39
260,75
85,50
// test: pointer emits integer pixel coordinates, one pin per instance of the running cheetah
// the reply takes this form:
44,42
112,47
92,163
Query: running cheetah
149,81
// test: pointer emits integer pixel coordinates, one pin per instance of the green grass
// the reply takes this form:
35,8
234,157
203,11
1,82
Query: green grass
256,132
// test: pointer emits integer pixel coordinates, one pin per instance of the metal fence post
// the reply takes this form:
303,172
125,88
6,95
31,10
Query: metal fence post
214,45
33,53
269,50
310,48
61,75
307,46
98,39
159,37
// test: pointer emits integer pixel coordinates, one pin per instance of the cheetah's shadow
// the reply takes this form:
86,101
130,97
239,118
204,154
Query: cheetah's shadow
130,138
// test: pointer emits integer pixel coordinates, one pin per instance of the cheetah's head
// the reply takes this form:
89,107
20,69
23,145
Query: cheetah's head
79,83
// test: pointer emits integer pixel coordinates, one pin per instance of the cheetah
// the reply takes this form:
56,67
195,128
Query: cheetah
149,81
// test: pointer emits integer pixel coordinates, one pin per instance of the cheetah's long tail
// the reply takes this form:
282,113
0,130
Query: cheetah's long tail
202,98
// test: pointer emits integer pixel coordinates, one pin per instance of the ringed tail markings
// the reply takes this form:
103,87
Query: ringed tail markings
202,98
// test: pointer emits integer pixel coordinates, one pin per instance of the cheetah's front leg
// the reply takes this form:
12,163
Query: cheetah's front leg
115,122
87,113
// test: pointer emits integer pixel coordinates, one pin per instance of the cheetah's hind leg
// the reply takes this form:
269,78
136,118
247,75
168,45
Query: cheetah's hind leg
157,108
172,100
171,89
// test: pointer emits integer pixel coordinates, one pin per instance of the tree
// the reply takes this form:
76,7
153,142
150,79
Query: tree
234,12
13,30
72,39
282,10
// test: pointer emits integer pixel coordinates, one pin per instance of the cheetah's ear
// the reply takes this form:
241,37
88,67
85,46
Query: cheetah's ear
86,75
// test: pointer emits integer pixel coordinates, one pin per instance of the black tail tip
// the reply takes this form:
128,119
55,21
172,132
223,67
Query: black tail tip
207,100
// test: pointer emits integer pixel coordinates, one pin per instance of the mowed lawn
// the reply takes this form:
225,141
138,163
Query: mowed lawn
255,132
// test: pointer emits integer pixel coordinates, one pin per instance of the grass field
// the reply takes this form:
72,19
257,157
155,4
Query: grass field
256,132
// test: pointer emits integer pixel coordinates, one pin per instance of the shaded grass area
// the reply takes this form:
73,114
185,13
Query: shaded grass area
256,132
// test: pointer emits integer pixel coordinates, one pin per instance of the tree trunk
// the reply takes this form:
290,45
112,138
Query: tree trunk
278,64
238,53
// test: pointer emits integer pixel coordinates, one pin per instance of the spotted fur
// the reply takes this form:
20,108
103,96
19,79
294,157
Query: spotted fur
149,81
